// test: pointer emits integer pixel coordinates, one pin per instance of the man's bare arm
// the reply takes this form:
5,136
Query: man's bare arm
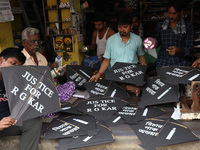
6,122
142,60
93,43
102,69
146,7
110,33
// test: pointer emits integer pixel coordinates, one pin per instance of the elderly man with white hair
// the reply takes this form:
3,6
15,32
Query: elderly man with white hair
31,42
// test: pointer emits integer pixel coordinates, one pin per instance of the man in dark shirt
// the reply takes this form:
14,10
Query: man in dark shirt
131,6
137,25
175,36
30,131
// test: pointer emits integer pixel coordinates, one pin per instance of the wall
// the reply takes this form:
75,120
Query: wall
6,36
76,55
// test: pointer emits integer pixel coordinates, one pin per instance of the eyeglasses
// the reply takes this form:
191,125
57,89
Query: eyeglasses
33,42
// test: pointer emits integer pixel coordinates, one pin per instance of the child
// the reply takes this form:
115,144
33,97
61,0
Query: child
30,131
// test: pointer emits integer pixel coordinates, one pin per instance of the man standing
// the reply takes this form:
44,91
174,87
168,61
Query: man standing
99,39
137,26
30,131
175,36
123,46
131,6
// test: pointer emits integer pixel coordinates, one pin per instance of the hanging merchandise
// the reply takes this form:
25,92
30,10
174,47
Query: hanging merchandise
5,11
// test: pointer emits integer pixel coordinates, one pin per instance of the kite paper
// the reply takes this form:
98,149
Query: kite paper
180,74
68,108
31,91
127,73
104,136
114,120
156,91
69,126
81,93
161,132
147,112
106,88
133,114
78,74
100,107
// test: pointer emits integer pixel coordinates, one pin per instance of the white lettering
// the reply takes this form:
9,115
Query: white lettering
30,78
15,90
23,96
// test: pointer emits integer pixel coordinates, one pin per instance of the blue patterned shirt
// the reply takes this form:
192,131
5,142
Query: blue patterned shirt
167,38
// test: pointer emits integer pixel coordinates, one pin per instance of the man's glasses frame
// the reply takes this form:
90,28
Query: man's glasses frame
33,42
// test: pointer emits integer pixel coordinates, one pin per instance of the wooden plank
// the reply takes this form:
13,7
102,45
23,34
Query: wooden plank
190,116
184,106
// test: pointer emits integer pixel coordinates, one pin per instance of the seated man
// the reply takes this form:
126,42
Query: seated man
31,42
99,39
123,46
30,131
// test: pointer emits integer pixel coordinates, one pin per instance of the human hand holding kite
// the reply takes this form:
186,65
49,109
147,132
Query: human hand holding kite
102,69
196,63
95,77
7,122
31,92
53,65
